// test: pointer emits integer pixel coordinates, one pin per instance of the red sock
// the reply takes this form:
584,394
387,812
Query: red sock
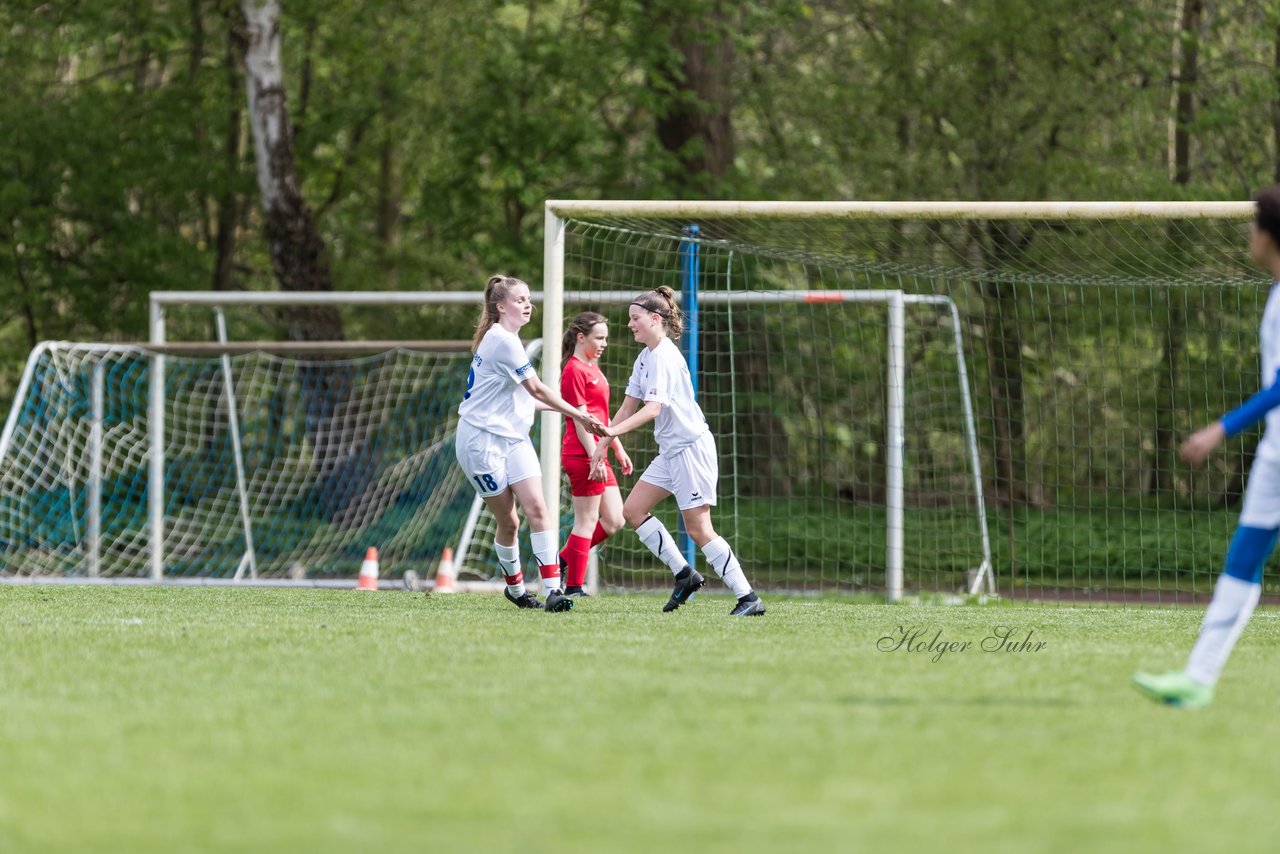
550,574
599,536
575,555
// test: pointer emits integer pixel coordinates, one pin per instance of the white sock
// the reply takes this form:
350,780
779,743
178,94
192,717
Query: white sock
1233,602
659,541
725,563
546,545
509,561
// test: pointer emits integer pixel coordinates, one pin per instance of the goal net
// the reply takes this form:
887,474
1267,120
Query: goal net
1094,336
274,466
906,397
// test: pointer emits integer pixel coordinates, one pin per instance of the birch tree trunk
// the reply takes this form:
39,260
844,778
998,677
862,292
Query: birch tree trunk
298,256
299,261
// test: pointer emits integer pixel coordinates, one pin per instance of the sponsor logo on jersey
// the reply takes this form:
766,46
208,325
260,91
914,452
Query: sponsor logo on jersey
528,366
477,361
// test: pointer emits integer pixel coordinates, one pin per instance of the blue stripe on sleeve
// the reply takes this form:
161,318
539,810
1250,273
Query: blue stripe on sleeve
1253,410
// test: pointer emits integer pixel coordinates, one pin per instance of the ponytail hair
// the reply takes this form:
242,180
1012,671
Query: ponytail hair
662,302
495,291
581,325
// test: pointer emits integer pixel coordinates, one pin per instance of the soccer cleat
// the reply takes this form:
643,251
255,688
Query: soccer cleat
528,600
750,605
1175,689
557,601
577,592
686,586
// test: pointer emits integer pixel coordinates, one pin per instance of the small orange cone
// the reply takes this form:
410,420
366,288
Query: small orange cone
445,575
369,571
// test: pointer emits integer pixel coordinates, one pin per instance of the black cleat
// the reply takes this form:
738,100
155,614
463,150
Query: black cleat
577,592
528,600
687,583
557,601
750,605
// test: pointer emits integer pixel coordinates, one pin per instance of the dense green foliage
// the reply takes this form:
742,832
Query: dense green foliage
427,140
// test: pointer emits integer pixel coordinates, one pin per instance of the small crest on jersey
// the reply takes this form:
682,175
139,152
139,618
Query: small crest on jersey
528,366
477,361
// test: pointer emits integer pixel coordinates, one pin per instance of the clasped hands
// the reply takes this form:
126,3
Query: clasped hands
596,426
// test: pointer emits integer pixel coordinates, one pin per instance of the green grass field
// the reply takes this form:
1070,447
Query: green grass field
202,719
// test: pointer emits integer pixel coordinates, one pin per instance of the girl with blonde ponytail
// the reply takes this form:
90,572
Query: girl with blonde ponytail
493,446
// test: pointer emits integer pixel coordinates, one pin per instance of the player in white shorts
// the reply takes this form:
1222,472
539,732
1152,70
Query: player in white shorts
1240,586
493,445
686,465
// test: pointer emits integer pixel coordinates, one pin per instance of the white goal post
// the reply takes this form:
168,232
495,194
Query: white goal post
888,381
652,217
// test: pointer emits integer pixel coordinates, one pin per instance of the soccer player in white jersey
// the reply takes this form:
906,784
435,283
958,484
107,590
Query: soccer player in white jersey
660,390
493,445
1240,585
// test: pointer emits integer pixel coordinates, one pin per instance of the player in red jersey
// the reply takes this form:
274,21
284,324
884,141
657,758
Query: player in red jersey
597,503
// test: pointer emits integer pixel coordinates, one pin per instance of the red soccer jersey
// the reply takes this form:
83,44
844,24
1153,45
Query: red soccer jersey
581,383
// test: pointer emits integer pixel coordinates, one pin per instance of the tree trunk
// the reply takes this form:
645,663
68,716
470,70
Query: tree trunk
696,124
28,313
229,199
1184,111
1005,368
1275,107
388,222
298,256
1165,438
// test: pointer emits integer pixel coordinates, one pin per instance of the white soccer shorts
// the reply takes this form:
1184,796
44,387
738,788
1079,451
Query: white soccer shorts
492,463
1262,495
689,474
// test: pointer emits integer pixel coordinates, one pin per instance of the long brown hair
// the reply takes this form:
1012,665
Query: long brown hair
495,291
581,325
662,302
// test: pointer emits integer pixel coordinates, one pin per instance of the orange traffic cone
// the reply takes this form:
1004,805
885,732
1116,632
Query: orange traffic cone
445,575
369,571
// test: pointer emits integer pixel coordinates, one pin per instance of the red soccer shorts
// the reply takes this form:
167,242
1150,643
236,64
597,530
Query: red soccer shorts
580,483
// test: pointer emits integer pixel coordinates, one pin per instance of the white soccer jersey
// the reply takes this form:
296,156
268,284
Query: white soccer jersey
1269,345
495,400
661,375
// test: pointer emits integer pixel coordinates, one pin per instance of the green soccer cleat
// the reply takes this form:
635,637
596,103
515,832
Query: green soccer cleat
1175,689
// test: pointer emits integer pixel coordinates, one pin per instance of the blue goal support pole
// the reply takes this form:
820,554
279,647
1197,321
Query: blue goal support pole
690,273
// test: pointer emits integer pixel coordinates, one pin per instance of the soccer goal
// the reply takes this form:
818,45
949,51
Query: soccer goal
268,461
863,312
918,397
907,398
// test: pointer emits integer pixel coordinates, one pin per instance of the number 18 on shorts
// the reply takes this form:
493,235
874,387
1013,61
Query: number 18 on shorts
493,463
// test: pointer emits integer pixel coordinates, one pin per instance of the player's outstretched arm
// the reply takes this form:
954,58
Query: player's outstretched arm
628,408
584,435
629,417
1200,444
540,392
